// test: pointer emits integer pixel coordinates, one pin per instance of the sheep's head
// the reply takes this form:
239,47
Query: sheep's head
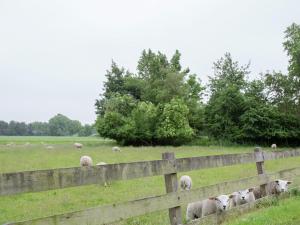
243,195
282,185
222,202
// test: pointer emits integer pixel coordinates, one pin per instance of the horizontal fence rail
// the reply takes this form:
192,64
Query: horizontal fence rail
116,212
42,180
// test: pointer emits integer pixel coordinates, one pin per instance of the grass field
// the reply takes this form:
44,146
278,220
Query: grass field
35,156
283,212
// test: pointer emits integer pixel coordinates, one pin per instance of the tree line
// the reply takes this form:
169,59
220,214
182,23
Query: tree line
59,125
163,103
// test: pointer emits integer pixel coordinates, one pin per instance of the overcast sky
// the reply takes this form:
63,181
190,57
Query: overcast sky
54,54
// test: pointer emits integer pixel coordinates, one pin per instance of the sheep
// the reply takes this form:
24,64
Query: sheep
274,188
194,210
86,161
49,147
10,144
185,182
78,145
243,197
274,146
216,204
208,206
116,149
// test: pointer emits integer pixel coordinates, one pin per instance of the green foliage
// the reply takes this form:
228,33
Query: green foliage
239,110
173,126
136,111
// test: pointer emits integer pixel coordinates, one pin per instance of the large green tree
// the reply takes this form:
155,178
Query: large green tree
132,113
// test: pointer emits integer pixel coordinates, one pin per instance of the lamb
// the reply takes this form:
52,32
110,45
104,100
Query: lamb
243,196
208,206
274,188
194,210
216,204
49,147
274,146
78,145
116,149
185,182
86,161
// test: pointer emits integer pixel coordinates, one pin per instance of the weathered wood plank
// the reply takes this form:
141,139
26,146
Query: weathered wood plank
281,154
203,162
116,212
41,180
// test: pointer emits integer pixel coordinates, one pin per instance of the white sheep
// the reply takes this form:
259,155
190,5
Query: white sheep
185,182
116,149
243,196
194,210
208,206
274,188
78,145
216,204
86,161
274,146
49,147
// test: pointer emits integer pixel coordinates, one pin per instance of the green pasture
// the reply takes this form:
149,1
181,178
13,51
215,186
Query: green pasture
34,155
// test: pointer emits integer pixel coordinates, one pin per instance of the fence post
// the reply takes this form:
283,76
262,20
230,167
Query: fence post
172,186
260,161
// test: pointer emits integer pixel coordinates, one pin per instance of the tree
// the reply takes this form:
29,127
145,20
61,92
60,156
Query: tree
173,126
39,128
227,103
4,128
292,47
130,113
61,125
227,73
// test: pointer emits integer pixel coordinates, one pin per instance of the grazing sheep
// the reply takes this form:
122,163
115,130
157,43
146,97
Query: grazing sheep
116,149
101,163
10,144
274,188
194,210
49,147
185,182
216,204
243,197
274,146
86,161
78,145
27,144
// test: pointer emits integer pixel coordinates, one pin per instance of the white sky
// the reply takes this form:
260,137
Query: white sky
54,53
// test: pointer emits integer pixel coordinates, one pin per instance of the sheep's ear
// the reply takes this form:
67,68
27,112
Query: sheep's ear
212,198
231,196
277,181
251,189
289,182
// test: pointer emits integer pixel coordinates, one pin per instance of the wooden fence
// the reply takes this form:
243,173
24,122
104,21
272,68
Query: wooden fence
169,166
